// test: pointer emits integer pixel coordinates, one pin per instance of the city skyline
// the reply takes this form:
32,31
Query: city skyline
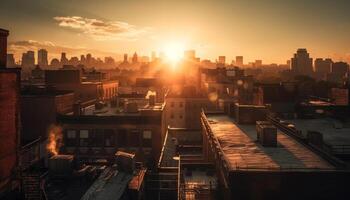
112,28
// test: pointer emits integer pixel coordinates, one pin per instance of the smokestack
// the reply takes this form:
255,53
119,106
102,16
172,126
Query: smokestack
3,47
152,100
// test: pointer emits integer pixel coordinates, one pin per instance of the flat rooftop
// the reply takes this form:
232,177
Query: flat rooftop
115,111
334,132
241,151
111,184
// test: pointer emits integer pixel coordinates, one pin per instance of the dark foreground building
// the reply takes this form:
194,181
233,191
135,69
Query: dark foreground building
9,121
267,163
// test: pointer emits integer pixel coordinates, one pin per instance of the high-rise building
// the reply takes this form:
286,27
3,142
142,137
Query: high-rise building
88,59
190,55
42,58
239,61
125,58
28,59
323,66
222,60
64,60
258,63
134,58
82,59
340,68
301,63
10,60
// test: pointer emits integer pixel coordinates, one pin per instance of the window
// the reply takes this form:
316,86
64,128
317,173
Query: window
172,104
134,137
122,138
180,116
84,134
181,104
147,134
71,139
172,116
147,138
109,138
84,138
71,134
96,138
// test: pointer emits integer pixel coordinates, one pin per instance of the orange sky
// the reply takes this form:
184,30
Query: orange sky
270,30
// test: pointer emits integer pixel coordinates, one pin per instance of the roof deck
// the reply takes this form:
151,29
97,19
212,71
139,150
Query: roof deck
242,151
334,132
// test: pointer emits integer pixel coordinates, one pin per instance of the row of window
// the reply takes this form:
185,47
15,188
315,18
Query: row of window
172,116
172,104
108,138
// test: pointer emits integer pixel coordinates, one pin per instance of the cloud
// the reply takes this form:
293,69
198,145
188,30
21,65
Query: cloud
54,50
102,30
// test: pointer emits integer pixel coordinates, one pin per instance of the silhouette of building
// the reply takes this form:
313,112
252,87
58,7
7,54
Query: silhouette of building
323,65
64,59
3,47
50,102
258,63
222,60
28,59
125,58
301,63
10,61
55,63
88,59
340,68
42,58
134,58
190,55
239,61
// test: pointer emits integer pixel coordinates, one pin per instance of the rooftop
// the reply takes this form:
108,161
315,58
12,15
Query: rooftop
334,132
241,151
111,184
117,111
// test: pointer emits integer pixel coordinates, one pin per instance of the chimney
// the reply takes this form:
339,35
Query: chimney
152,100
3,47
77,109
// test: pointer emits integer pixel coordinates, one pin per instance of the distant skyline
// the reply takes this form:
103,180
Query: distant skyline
270,30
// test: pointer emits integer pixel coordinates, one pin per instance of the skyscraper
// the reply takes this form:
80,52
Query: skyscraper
323,66
125,58
42,58
222,60
239,61
28,59
258,63
190,55
301,63
134,58
340,68
64,60
10,60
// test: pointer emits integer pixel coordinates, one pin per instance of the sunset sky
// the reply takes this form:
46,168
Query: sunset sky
270,30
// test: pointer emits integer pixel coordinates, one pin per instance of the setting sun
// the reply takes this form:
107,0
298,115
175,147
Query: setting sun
174,52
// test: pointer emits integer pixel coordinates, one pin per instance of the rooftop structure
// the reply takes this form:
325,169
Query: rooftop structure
238,143
264,172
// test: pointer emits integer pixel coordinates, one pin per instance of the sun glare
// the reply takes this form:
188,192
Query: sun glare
174,52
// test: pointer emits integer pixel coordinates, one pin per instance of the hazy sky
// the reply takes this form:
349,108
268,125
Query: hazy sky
270,30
